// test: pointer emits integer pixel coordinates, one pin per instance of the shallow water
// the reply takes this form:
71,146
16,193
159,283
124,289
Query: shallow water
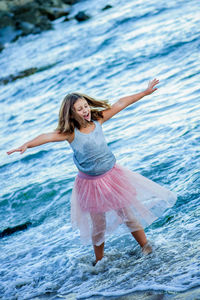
113,54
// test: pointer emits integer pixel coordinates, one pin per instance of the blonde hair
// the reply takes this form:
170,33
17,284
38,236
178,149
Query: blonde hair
69,119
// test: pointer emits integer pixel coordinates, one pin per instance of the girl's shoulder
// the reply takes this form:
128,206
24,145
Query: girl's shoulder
70,137
98,122
57,136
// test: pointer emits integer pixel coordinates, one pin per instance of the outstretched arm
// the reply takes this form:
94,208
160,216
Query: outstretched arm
40,140
126,101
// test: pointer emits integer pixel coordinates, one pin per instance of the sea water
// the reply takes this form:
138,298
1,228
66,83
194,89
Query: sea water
113,54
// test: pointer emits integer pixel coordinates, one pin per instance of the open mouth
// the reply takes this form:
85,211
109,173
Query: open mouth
86,116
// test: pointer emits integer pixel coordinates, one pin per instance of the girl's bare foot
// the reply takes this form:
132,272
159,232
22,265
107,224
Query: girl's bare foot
146,249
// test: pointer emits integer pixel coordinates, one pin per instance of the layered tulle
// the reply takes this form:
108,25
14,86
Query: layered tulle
100,203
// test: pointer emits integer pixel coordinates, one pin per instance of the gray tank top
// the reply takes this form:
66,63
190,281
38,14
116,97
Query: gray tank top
91,153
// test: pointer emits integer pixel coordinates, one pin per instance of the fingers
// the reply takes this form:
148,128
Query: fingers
151,86
156,81
21,149
153,82
12,151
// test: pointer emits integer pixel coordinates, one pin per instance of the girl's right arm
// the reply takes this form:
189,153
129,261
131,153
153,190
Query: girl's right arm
128,100
40,140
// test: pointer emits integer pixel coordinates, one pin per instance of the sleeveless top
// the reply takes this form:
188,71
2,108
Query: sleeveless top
91,153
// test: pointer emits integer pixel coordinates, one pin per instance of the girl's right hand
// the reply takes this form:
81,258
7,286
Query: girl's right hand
151,87
21,149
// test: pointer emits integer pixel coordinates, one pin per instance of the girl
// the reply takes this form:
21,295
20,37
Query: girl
104,194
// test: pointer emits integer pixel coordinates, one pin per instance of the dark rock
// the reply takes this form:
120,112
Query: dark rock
31,14
11,230
23,17
66,19
6,19
21,74
44,23
50,3
24,73
24,8
55,3
37,30
81,16
1,47
27,13
54,13
70,2
25,27
108,6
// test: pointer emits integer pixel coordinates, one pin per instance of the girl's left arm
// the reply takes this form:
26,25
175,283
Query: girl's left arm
126,101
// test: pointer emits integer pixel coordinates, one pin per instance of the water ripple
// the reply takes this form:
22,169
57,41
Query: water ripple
114,54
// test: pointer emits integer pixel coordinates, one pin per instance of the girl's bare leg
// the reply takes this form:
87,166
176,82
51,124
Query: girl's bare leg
140,237
138,232
99,227
99,252
142,241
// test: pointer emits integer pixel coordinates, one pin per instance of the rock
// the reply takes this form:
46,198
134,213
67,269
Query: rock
8,34
44,23
25,27
24,73
22,17
11,230
21,74
54,13
6,19
81,16
1,46
30,13
108,6
51,3
70,2
67,19
27,13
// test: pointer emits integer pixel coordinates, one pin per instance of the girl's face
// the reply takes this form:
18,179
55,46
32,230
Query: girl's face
82,108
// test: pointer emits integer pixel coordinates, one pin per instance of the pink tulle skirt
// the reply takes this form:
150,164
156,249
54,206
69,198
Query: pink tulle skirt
100,203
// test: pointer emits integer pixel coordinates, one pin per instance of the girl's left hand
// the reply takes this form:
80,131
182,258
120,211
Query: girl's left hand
21,149
151,87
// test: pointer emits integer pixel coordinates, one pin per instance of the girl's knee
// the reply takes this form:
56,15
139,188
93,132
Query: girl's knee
98,228
134,225
98,222
129,219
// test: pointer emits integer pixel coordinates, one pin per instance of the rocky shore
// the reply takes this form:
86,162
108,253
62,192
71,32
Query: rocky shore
23,17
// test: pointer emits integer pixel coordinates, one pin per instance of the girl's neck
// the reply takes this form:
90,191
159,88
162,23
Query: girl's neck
90,126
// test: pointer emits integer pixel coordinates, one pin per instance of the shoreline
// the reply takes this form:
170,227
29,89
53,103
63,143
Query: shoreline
23,17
